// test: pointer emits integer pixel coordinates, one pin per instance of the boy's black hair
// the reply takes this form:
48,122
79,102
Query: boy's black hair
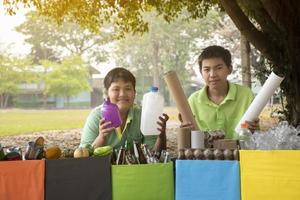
117,74
215,52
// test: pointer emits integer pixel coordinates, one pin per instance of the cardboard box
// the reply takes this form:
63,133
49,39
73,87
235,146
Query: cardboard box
78,179
207,179
22,180
225,144
146,182
270,175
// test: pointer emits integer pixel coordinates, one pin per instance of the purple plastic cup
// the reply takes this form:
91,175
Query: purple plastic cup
110,112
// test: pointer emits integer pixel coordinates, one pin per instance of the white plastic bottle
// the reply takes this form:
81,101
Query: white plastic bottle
244,136
152,108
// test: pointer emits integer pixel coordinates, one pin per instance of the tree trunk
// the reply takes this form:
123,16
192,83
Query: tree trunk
1,100
291,90
253,35
156,65
45,98
6,100
245,61
68,102
283,53
291,84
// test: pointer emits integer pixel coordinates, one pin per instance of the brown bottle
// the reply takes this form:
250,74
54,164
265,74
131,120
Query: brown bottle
139,153
130,158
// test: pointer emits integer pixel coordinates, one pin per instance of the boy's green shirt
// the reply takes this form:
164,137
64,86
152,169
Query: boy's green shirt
225,116
117,138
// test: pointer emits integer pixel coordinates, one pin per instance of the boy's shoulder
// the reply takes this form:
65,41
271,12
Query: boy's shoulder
242,88
197,95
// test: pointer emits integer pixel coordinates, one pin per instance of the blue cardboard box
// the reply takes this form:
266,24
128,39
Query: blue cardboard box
207,179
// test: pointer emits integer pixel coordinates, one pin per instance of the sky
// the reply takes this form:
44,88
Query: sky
9,38
13,42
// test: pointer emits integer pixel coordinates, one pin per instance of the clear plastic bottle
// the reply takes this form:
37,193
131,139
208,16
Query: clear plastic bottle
152,108
244,136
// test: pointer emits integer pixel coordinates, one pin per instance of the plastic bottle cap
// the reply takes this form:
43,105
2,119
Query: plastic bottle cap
153,89
244,125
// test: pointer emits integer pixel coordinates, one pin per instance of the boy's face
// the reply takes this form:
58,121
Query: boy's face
214,72
121,93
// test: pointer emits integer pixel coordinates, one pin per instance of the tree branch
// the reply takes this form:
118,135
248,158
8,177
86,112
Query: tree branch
284,13
274,9
262,17
257,38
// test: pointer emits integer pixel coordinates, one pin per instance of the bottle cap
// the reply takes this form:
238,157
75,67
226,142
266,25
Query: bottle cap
153,89
244,125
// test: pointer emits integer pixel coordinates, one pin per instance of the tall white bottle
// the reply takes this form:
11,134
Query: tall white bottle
152,108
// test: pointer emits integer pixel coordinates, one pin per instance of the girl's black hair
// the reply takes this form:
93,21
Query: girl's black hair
117,74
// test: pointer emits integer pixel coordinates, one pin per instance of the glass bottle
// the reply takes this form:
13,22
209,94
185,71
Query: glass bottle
244,136
139,153
121,156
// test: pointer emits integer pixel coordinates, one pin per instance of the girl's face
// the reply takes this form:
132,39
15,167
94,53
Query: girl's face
122,94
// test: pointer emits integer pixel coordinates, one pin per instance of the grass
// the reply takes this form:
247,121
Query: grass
16,121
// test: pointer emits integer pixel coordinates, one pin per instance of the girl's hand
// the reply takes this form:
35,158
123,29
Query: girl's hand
162,123
103,132
161,140
103,127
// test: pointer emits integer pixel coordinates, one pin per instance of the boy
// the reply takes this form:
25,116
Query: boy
220,104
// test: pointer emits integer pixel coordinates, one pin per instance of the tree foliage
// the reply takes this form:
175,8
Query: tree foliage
165,47
13,72
68,78
53,42
271,26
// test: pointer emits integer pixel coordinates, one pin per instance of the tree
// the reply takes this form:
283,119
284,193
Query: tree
68,78
271,26
165,47
52,42
245,61
13,71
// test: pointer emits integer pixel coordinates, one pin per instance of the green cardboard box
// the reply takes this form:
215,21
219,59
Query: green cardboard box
146,181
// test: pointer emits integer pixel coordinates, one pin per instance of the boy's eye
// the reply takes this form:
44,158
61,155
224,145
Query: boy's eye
128,88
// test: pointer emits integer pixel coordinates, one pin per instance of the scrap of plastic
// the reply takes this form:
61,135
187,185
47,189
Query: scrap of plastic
282,136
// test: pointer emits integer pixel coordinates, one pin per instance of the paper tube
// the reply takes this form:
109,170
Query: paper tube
183,138
180,98
197,140
268,89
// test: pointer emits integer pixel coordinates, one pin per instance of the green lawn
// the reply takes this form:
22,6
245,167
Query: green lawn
15,121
